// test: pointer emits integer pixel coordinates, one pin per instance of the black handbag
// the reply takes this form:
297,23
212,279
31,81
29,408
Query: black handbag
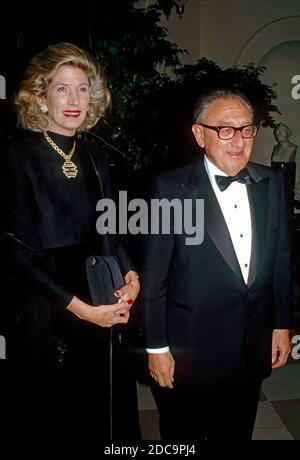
103,272
104,276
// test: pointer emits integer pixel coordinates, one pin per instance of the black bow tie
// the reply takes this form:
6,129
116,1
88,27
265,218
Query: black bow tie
224,181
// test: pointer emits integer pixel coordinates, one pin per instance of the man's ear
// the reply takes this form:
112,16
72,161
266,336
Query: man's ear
198,132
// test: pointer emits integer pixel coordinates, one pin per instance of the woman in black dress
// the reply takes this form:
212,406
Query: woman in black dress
53,176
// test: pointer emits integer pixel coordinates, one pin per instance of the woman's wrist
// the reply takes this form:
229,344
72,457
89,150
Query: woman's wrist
79,308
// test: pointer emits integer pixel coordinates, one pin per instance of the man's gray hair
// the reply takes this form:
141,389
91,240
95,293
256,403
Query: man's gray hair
205,100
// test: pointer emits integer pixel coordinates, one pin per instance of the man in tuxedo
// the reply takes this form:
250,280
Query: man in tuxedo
217,315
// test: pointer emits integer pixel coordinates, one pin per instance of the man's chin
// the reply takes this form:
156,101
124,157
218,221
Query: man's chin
237,163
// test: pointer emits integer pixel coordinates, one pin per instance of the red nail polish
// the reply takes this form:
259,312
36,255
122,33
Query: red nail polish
130,301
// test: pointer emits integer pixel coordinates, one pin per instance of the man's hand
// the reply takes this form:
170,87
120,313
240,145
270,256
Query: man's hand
281,347
162,366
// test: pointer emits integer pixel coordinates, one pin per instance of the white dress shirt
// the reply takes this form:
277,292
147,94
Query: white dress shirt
234,204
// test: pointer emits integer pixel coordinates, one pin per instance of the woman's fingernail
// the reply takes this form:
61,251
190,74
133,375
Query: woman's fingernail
130,301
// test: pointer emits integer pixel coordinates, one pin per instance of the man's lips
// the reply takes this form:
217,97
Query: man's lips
235,154
72,113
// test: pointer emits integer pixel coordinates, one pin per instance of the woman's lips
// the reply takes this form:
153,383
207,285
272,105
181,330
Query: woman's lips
72,113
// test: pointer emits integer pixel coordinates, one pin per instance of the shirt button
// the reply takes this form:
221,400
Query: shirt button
241,235
246,265
235,206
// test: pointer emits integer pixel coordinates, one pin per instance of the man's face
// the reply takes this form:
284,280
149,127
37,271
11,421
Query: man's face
281,134
232,155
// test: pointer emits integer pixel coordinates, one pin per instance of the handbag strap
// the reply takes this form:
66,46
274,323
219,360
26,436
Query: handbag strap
107,251
106,240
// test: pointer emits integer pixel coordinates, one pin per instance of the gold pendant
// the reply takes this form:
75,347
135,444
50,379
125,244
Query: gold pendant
69,169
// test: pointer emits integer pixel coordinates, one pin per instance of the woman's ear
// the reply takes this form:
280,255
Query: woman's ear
41,102
198,132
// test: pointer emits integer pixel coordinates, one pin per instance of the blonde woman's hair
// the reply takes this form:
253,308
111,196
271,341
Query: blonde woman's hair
39,74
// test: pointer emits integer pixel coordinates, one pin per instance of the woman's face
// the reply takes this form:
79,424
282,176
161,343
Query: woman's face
67,99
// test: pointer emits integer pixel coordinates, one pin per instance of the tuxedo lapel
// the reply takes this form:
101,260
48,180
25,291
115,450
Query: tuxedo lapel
199,186
258,201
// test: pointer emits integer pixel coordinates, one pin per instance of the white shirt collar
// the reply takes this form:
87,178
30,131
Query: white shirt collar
212,170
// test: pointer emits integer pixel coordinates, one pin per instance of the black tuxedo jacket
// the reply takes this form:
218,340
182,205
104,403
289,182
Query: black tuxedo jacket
195,299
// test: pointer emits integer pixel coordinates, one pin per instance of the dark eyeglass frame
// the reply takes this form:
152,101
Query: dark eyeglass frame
218,129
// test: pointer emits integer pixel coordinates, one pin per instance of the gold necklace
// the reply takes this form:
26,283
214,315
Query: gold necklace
69,168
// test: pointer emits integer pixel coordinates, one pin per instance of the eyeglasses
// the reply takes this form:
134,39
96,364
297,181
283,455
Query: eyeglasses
228,132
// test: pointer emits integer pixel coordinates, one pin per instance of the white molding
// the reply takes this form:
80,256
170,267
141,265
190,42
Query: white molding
267,37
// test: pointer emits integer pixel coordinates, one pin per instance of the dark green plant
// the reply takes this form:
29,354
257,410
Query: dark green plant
206,74
136,62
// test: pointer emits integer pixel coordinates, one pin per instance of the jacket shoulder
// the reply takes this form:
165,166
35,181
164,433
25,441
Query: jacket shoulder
97,147
18,148
95,143
267,171
175,176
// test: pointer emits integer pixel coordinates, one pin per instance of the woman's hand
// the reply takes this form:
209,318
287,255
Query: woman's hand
102,315
129,292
